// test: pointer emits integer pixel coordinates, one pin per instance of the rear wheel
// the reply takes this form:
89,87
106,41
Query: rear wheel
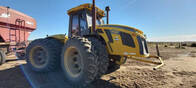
2,57
43,54
78,62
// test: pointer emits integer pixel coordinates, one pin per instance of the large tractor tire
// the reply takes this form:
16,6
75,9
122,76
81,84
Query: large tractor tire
43,55
2,57
101,53
78,62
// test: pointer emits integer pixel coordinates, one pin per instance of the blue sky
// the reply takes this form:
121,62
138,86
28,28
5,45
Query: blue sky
160,20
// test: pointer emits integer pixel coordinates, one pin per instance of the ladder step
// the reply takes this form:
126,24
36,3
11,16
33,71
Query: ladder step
12,34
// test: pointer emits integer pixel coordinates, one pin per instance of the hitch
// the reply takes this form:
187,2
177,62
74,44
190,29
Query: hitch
159,64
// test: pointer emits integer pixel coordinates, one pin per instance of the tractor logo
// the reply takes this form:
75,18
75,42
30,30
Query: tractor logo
5,15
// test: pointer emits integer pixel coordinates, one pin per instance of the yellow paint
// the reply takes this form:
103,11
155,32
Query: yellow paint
60,37
88,7
159,64
117,47
127,27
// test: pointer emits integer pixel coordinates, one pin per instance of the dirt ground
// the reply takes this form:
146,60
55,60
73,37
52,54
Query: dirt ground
179,72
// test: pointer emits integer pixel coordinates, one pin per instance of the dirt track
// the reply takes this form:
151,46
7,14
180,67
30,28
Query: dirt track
179,72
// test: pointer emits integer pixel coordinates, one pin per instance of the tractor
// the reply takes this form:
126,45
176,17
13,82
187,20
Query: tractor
90,50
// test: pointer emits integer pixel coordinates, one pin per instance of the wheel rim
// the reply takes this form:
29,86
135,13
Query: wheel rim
73,62
38,57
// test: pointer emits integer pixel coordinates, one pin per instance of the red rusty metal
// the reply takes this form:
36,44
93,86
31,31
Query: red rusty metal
15,25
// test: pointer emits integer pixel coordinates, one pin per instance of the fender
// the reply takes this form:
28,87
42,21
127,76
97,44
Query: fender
61,37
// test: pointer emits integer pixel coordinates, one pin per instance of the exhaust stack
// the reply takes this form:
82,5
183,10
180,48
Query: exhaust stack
94,17
107,9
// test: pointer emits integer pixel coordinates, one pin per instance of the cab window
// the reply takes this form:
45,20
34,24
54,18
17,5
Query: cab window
83,23
75,25
99,20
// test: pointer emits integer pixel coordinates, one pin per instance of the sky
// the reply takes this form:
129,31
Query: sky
160,20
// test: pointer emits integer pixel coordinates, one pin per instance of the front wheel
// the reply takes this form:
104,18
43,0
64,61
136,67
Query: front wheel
78,62
99,48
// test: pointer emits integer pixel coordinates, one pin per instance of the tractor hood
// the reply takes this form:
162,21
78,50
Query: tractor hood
122,27
131,41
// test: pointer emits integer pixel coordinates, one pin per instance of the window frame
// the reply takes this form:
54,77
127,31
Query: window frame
77,22
79,17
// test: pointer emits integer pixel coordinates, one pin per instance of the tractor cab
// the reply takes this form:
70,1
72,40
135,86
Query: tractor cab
81,20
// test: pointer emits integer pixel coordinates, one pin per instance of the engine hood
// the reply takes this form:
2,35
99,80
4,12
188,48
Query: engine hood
122,27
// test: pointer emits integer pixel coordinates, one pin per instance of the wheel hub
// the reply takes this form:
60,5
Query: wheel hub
73,62
39,57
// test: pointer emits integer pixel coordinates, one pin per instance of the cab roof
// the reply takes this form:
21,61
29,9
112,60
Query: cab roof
87,6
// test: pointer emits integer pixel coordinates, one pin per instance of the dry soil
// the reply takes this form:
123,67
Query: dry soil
179,71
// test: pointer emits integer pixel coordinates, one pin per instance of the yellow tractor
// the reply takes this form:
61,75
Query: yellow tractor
91,48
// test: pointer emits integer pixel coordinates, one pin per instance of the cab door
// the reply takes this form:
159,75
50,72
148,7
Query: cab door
74,26
78,25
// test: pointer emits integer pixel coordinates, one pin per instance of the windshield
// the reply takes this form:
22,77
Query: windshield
99,21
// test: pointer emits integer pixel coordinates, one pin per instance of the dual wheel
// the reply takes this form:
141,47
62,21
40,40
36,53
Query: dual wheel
82,59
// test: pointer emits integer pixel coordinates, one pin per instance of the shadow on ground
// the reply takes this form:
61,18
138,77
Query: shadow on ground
23,77
13,78
56,80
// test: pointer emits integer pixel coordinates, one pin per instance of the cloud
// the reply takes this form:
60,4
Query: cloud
177,38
